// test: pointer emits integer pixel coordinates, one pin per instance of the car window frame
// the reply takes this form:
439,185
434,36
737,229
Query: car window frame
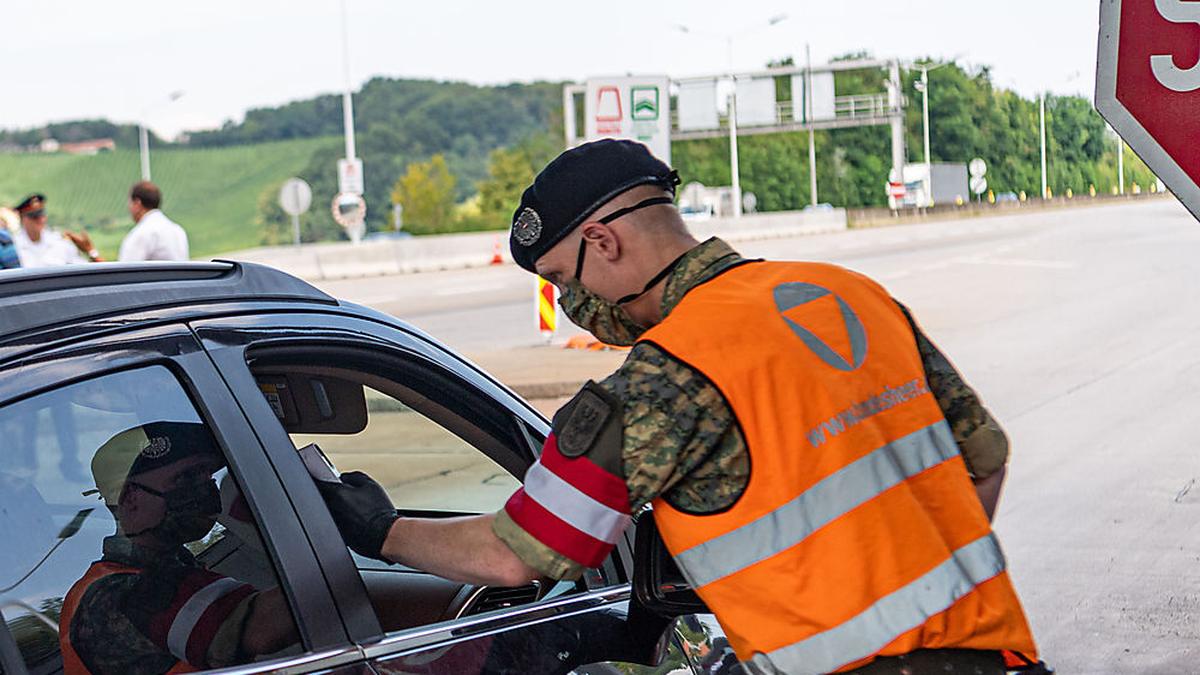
174,346
229,338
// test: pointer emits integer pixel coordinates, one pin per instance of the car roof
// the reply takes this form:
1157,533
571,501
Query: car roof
33,299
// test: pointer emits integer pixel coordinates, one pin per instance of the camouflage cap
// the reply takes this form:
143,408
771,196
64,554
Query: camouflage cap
144,448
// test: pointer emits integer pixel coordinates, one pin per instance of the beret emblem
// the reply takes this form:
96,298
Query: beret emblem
528,227
158,447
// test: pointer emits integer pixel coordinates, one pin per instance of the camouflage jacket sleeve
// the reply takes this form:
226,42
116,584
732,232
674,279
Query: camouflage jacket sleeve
129,622
983,444
671,424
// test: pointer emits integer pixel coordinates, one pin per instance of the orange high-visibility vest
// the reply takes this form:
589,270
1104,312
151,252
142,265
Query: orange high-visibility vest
72,664
859,533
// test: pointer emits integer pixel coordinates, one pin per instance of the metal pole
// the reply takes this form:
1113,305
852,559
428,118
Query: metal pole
896,111
736,186
812,137
1042,109
1121,164
569,132
296,229
144,148
347,103
925,117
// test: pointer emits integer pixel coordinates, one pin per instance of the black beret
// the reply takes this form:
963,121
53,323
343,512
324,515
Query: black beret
573,186
145,448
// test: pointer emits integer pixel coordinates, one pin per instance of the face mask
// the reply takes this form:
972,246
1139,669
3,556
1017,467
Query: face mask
607,321
191,512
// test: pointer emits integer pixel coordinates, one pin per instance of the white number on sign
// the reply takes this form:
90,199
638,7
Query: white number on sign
1168,74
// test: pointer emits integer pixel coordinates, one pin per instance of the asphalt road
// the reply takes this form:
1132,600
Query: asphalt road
1079,329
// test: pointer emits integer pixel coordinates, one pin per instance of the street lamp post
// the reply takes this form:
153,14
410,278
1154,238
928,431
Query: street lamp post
1120,162
1042,118
923,87
144,133
735,177
1042,123
735,184
347,102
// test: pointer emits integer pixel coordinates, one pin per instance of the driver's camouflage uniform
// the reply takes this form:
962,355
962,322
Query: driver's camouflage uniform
676,436
171,615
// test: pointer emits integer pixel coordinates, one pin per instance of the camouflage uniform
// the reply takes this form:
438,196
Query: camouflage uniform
124,620
680,438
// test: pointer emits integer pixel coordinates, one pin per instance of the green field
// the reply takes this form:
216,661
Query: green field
213,192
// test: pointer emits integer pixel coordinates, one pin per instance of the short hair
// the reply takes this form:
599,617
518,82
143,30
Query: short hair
147,193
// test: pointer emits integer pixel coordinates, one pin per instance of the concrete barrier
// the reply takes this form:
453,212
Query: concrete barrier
343,260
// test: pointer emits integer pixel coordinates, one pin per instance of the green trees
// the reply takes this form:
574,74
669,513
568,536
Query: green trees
426,190
510,171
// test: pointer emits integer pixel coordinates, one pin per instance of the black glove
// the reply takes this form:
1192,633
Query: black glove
362,510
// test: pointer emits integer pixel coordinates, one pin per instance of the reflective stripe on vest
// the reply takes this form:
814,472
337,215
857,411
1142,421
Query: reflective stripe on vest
893,615
818,506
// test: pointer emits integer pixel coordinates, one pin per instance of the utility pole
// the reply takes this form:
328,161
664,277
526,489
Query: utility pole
1042,115
144,133
144,148
1120,163
925,119
736,183
347,103
812,138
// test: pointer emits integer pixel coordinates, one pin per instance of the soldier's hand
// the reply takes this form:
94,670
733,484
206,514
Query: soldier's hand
362,510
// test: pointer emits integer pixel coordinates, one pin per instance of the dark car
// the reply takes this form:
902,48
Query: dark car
269,364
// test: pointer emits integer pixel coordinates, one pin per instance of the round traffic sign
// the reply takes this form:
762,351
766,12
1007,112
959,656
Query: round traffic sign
978,185
349,210
295,196
977,167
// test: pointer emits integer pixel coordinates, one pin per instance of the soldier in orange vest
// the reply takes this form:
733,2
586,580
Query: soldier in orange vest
147,606
818,469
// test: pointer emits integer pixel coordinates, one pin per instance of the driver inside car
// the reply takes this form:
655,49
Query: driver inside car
147,606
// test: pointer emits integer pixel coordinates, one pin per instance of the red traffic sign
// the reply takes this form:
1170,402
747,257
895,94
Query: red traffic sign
1148,86
896,190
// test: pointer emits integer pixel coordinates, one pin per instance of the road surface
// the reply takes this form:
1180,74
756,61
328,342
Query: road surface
1081,330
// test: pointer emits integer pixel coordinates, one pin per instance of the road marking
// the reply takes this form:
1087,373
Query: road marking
1025,262
467,290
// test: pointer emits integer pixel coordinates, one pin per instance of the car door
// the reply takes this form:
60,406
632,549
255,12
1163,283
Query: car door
444,439
57,407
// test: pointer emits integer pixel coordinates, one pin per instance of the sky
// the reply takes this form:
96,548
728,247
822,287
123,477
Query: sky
122,59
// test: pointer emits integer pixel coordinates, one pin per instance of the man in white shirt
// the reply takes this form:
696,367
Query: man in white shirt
155,237
40,246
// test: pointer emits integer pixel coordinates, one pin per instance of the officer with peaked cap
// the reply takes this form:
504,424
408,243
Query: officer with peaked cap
41,246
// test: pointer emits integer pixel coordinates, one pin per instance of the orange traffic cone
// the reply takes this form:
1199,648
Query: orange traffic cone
496,259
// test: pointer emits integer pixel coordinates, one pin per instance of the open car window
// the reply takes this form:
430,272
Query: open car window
428,455
439,447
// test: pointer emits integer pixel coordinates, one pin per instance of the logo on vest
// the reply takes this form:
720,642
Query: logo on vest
822,322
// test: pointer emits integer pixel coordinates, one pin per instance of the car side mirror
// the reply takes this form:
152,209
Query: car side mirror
658,583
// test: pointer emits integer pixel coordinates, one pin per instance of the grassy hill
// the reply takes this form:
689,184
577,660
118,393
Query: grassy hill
212,192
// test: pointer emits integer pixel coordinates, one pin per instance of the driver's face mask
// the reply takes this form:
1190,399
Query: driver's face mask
191,511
